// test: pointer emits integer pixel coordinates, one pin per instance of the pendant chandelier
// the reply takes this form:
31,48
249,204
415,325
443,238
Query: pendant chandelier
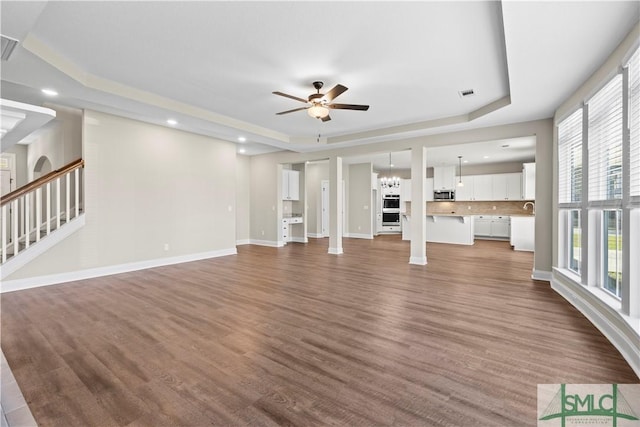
390,181
460,183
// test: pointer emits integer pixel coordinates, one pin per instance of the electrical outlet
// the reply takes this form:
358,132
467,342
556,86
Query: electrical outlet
494,208
262,231
166,246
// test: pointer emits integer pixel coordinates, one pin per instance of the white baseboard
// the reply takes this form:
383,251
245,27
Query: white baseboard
54,279
417,260
608,320
315,235
38,248
545,276
336,251
270,243
243,242
299,240
359,236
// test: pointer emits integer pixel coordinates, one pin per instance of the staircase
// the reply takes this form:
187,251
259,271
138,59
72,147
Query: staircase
38,215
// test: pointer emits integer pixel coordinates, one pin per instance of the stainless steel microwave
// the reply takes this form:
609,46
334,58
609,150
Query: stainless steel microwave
444,196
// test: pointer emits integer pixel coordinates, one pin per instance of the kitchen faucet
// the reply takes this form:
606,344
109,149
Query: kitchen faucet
533,205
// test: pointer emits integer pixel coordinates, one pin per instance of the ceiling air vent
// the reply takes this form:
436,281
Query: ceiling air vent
466,92
8,44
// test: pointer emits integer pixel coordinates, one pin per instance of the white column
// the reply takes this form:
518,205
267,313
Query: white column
335,206
418,206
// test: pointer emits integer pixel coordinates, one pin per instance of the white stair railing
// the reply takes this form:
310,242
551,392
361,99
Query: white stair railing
28,214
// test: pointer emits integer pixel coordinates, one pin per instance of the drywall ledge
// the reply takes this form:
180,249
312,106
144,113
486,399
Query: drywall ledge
609,321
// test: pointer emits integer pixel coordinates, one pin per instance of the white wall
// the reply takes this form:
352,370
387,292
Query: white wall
243,198
360,197
316,173
147,186
60,140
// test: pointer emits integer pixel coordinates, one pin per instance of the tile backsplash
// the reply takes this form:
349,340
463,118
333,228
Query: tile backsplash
512,207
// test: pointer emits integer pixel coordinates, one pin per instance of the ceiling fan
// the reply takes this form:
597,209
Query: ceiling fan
319,104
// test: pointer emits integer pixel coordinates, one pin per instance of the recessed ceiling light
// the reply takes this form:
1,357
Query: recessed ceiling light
485,157
242,151
172,122
465,161
242,139
391,165
49,92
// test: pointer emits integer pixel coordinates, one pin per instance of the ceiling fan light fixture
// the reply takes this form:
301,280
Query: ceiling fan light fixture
318,111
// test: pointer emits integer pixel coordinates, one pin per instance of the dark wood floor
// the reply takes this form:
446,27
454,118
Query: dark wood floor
294,336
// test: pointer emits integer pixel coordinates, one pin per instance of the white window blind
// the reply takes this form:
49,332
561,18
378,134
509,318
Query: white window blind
570,158
605,142
634,123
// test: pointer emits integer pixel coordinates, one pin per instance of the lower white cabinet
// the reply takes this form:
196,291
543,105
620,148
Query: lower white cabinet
494,226
523,230
286,227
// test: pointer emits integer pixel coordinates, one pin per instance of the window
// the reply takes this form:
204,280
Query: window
575,241
570,158
605,142
612,251
599,199
634,125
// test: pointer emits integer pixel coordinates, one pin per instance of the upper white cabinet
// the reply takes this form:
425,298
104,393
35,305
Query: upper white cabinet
491,187
483,187
290,185
466,192
529,181
444,178
514,186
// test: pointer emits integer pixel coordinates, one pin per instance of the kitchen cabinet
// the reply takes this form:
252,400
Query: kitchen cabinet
494,226
506,186
523,230
444,178
290,184
483,187
491,187
287,235
466,192
529,181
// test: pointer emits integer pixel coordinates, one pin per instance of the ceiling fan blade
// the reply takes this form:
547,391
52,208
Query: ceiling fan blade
349,107
290,96
335,92
291,111
326,118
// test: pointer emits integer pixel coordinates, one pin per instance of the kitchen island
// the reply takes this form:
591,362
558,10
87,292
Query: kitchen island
444,228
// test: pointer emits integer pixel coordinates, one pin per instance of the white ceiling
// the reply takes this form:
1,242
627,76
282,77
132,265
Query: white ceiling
212,65
474,154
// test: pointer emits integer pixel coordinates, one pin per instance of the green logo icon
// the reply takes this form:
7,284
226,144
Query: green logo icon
588,403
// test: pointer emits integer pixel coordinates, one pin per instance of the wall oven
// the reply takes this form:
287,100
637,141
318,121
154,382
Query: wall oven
391,218
391,210
391,201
